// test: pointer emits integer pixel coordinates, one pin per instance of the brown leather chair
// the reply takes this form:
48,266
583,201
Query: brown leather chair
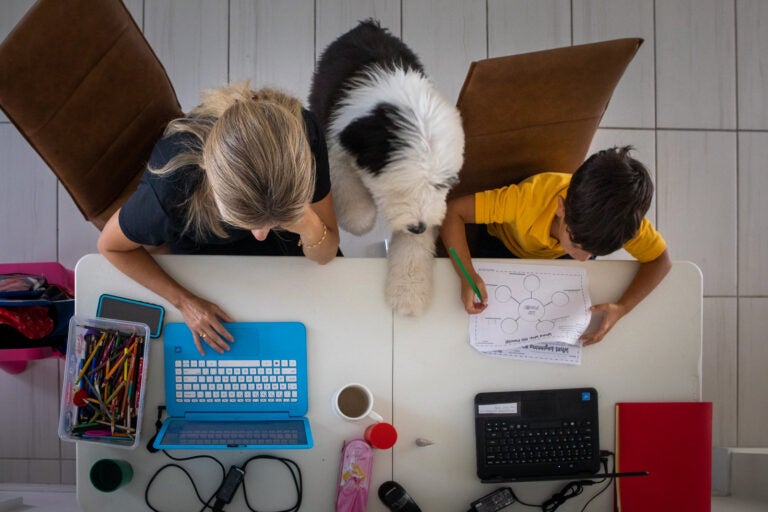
535,112
83,86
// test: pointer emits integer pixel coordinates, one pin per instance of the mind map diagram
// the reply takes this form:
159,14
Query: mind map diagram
531,304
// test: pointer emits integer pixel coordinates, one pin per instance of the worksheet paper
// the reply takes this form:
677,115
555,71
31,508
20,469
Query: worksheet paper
535,312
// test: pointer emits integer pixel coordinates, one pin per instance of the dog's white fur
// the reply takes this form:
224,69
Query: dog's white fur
408,191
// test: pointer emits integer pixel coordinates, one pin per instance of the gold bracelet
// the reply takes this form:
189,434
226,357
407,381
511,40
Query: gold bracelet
322,239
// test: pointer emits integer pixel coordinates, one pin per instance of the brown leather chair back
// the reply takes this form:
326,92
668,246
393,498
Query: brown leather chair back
84,87
536,112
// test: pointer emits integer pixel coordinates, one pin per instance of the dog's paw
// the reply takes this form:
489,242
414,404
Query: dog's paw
357,219
409,273
408,296
355,209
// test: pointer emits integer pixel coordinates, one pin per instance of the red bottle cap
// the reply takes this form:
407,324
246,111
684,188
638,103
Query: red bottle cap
381,435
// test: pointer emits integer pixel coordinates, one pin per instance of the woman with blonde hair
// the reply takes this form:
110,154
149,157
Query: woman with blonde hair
245,172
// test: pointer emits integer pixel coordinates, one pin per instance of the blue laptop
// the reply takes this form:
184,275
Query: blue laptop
253,396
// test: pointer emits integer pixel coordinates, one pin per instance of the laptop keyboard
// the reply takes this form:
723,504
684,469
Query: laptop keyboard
240,381
273,436
566,442
236,433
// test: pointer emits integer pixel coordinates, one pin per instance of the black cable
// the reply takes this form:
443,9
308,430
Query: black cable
296,475
206,504
292,466
518,500
575,488
610,481
570,490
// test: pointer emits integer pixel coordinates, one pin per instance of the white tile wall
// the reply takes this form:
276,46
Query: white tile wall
753,379
190,39
696,202
695,64
447,44
753,212
28,199
752,52
77,236
700,75
720,365
334,17
273,43
633,101
524,26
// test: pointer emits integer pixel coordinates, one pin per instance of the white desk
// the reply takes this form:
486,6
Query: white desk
422,371
652,354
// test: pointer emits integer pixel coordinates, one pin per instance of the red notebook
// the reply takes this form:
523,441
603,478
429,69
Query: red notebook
673,442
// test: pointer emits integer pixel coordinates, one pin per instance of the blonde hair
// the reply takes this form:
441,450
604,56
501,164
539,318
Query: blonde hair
256,161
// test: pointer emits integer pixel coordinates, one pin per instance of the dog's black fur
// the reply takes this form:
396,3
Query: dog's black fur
374,138
350,55
395,146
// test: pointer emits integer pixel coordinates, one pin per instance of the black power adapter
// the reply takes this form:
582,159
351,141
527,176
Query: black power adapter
228,488
496,500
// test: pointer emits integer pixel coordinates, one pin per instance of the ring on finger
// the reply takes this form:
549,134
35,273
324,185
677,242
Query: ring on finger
203,335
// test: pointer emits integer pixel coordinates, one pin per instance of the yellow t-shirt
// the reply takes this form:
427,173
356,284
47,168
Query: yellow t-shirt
521,216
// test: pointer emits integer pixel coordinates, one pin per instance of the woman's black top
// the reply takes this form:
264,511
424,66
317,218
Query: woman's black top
155,214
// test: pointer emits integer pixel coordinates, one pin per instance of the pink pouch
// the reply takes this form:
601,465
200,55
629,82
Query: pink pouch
354,476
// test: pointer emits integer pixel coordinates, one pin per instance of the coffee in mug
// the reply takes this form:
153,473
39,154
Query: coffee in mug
354,402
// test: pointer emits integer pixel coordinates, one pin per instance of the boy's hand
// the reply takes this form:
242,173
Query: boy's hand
612,313
468,297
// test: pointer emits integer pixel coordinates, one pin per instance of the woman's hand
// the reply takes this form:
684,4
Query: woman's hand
612,313
469,297
204,320
133,260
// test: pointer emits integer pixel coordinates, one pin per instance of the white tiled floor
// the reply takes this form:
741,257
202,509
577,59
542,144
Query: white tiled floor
693,102
38,498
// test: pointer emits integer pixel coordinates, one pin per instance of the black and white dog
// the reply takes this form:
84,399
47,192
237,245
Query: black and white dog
395,146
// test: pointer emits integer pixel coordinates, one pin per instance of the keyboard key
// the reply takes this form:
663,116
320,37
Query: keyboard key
236,381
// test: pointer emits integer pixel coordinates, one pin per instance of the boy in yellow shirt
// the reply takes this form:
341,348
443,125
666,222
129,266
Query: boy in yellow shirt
596,211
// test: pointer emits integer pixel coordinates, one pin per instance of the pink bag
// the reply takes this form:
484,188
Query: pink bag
354,476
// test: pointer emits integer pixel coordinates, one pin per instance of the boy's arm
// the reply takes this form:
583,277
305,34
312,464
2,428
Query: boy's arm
648,276
461,211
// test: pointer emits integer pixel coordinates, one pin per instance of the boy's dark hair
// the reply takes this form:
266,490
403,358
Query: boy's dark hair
607,199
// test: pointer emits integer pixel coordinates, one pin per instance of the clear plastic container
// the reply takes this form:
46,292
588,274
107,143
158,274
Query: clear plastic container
102,397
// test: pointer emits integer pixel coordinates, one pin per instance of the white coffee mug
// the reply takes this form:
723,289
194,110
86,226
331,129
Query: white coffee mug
354,402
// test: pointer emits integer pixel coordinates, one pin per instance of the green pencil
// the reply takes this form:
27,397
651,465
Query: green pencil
466,274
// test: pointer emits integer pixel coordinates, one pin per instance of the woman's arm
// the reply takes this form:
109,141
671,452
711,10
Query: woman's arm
461,211
133,260
318,231
648,276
